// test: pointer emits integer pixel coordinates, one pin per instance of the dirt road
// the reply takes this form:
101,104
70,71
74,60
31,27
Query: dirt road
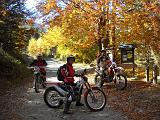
28,105
35,108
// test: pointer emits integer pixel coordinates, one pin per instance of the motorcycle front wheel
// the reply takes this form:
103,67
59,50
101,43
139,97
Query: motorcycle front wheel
52,98
37,83
95,99
120,82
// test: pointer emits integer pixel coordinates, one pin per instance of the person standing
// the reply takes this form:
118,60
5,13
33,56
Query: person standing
68,73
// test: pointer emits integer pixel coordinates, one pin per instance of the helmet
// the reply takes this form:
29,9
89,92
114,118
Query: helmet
39,55
70,57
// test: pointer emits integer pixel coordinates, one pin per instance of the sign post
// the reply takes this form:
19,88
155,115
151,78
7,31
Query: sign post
127,56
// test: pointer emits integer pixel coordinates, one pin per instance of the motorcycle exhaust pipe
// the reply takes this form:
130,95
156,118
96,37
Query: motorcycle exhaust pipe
63,92
60,90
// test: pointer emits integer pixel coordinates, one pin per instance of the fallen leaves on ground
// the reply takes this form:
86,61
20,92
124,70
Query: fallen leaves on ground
139,101
12,98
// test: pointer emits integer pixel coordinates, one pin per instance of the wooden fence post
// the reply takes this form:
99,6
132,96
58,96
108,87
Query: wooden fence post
147,73
155,73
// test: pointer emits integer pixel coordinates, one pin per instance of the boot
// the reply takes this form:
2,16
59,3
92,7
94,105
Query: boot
78,103
66,107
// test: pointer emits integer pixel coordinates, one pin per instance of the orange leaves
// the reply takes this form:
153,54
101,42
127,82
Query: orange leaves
152,6
140,101
49,6
137,24
30,21
127,21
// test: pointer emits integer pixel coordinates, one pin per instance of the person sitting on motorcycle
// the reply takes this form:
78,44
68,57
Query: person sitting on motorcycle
103,61
68,73
40,62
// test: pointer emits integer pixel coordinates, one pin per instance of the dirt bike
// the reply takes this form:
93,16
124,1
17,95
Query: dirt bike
118,77
95,98
39,81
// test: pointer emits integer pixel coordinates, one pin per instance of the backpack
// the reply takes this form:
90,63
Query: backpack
59,74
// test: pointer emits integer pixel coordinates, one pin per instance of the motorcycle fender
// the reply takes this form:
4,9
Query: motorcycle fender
60,90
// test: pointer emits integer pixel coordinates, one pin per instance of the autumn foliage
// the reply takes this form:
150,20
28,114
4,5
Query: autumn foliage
85,23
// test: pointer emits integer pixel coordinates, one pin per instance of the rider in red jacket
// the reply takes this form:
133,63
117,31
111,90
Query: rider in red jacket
40,62
68,71
68,74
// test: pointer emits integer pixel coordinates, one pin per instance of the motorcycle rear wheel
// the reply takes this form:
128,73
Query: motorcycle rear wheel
52,98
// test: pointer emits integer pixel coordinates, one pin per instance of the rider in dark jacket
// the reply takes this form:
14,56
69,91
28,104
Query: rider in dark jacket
68,74
102,58
103,61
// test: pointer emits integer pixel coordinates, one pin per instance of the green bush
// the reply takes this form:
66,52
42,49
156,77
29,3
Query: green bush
11,67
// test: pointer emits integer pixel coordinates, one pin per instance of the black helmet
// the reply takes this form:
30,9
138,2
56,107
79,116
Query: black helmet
70,57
